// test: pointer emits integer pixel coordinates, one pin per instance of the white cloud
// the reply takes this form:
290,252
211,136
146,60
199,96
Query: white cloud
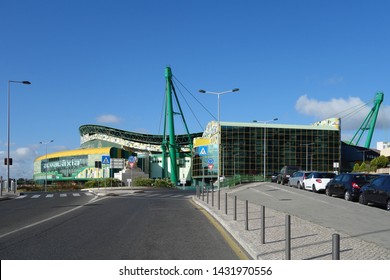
352,111
108,119
22,162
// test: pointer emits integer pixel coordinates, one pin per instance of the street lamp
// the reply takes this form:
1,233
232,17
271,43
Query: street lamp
45,143
9,160
307,155
219,125
265,144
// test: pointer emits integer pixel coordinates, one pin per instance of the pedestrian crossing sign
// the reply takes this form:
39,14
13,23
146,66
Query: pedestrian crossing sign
202,150
105,159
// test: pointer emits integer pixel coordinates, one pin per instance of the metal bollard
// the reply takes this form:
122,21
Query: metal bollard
212,195
335,246
207,196
288,237
246,215
235,208
226,202
219,199
262,229
202,193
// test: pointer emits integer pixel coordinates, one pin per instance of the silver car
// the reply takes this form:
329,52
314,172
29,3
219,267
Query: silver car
297,178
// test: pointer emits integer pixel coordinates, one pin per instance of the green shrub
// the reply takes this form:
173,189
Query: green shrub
163,183
141,181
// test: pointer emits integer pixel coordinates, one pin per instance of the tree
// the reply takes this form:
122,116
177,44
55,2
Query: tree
382,162
356,167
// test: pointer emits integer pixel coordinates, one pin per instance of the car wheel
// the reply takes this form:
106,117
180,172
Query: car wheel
347,196
314,188
299,186
362,199
327,192
388,205
303,186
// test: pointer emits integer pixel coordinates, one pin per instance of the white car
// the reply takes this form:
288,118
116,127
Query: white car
316,181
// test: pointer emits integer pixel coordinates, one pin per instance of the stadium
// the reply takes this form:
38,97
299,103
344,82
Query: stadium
112,148
245,149
224,150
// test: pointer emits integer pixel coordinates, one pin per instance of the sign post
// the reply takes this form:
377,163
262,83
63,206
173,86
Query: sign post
202,151
132,162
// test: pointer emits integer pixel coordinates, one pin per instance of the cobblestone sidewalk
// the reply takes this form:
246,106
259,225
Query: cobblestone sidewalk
308,241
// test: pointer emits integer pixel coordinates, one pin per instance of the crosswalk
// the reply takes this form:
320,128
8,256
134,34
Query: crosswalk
162,195
53,195
151,195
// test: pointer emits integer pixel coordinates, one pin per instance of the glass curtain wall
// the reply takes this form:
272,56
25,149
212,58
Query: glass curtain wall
242,151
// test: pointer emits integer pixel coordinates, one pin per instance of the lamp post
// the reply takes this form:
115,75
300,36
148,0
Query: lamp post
45,143
234,163
307,154
219,125
265,145
9,160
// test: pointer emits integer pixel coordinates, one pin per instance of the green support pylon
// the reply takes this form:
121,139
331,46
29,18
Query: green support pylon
369,123
169,117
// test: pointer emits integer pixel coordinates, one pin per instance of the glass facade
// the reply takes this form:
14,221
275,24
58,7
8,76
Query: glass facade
246,149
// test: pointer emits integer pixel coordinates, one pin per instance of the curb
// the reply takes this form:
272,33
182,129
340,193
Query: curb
235,234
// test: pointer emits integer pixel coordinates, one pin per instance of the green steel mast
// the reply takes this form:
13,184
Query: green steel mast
169,118
369,122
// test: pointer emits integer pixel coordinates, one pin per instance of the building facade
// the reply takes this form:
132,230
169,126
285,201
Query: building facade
101,141
263,149
80,164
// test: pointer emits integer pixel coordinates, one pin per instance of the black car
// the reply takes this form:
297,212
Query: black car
377,192
274,177
348,185
285,173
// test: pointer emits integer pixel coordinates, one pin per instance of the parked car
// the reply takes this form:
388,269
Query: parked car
274,177
285,173
316,181
348,185
297,178
377,192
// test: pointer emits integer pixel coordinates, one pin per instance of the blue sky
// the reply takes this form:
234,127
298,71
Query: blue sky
102,62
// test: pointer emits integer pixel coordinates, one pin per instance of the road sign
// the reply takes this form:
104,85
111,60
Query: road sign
106,159
203,150
131,164
211,166
210,161
132,159
117,163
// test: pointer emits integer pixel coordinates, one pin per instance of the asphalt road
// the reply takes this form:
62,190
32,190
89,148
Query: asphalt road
155,225
368,223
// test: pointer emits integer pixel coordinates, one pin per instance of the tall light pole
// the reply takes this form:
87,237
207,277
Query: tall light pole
45,143
307,155
265,144
9,160
219,125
